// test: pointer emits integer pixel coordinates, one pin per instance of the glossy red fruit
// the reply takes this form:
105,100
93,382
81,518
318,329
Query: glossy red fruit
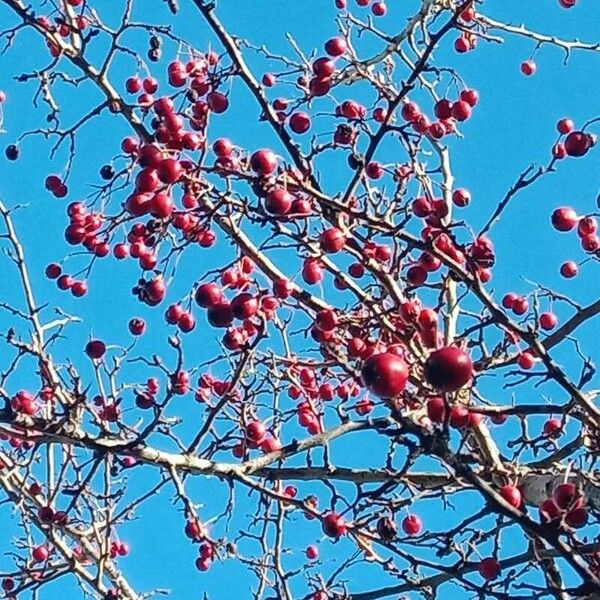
548,510
528,68
278,201
186,322
244,306
564,219
40,554
95,349
448,369
512,495
489,568
217,102
577,518
412,525
461,110
569,269
300,122
222,147
436,409
552,427
410,111
374,170
323,67
509,299
263,162
137,326
566,496
443,109
334,525
312,552
169,170
565,126
461,197
577,143
220,314
336,46
332,240
385,374
470,96
526,360
208,294
255,431
379,9
459,417
548,320
520,306
53,271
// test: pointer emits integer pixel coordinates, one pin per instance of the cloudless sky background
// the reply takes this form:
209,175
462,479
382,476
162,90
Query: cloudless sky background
512,127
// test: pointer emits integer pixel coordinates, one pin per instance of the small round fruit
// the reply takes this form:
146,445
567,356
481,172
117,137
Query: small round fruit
334,525
385,374
512,495
489,568
95,349
448,369
263,162
412,525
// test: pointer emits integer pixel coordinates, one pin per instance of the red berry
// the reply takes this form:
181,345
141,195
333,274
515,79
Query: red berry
255,431
577,143
461,197
548,320
263,162
528,67
53,271
336,46
564,219
40,554
279,201
448,369
461,110
565,126
323,67
552,427
566,496
169,170
95,349
208,294
489,568
334,525
576,518
436,409
512,495
220,314
137,326
471,97
385,374
379,9
412,525
300,122
548,510
569,269
332,240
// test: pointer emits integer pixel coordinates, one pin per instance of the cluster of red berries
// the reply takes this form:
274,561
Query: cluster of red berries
566,503
66,282
118,549
576,143
256,436
447,114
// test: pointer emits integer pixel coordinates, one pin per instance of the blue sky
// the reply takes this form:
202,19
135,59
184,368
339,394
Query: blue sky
512,127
